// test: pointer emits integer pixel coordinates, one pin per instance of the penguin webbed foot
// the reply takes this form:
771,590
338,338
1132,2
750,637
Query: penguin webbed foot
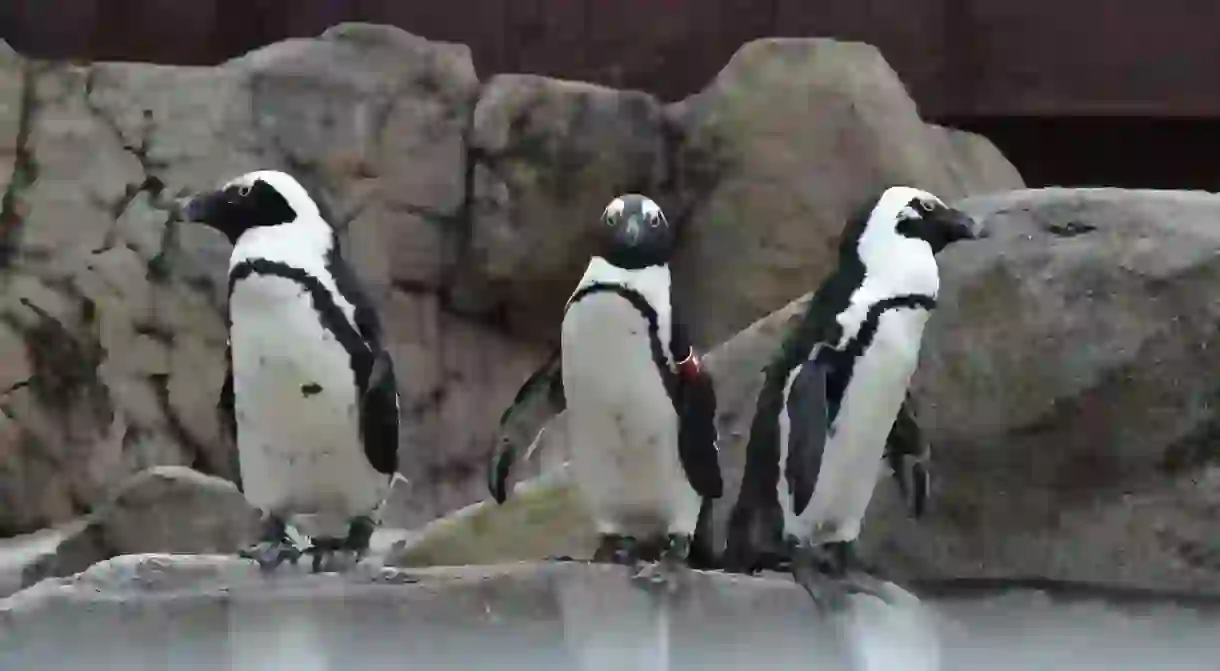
270,554
274,548
671,562
830,573
337,555
617,549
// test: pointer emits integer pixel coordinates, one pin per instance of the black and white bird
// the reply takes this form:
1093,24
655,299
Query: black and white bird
309,394
641,409
835,400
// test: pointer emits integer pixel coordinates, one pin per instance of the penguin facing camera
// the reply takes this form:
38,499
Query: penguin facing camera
640,407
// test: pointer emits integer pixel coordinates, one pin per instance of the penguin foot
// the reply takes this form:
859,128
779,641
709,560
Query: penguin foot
828,593
560,558
337,560
275,548
270,554
832,572
669,565
330,555
617,549
338,555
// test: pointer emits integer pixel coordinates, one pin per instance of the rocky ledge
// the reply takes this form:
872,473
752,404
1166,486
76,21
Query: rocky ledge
209,611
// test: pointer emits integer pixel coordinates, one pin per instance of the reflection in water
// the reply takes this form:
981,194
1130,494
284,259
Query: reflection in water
597,628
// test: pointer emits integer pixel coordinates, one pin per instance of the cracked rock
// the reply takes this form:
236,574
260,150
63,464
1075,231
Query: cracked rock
550,155
82,169
789,139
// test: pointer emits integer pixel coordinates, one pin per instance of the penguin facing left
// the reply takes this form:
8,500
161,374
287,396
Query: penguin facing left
641,408
310,395
835,400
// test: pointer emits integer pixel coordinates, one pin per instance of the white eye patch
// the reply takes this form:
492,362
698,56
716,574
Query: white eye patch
613,210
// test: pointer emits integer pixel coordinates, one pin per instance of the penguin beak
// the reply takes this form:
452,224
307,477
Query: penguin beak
628,232
203,208
958,225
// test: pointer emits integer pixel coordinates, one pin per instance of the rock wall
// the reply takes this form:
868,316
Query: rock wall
465,206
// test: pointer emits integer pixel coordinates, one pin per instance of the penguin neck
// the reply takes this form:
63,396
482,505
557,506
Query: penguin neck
900,286
651,282
303,243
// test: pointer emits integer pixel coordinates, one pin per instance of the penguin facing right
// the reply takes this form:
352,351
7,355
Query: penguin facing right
834,403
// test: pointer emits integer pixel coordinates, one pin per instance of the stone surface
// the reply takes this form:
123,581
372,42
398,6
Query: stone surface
147,610
543,615
163,509
977,165
1062,385
789,139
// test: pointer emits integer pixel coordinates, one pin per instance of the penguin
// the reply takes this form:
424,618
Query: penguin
834,406
310,396
641,407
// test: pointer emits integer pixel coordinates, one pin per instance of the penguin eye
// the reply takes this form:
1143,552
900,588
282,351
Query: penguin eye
925,206
609,218
243,191
655,219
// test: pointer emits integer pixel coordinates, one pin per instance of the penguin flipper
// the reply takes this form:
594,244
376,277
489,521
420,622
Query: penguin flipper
228,417
907,454
808,427
697,435
538,401
379,410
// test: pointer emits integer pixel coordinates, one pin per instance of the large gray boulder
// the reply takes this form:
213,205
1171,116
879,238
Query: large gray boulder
163,509
788,139
1066,383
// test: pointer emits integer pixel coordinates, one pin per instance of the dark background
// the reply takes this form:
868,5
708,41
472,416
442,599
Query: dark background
1075,92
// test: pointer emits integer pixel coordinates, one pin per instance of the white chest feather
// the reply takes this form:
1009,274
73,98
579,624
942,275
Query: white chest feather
296,406
852,459
302,244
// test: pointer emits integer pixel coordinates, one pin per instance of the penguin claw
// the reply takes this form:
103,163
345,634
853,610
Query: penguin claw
669,565
334,560
269,555
619,550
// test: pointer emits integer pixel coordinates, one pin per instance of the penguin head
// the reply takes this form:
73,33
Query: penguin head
253,200
637,232
901,234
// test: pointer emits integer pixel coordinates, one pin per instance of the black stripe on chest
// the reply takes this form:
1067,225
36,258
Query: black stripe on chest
330,315
641,304
845,359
